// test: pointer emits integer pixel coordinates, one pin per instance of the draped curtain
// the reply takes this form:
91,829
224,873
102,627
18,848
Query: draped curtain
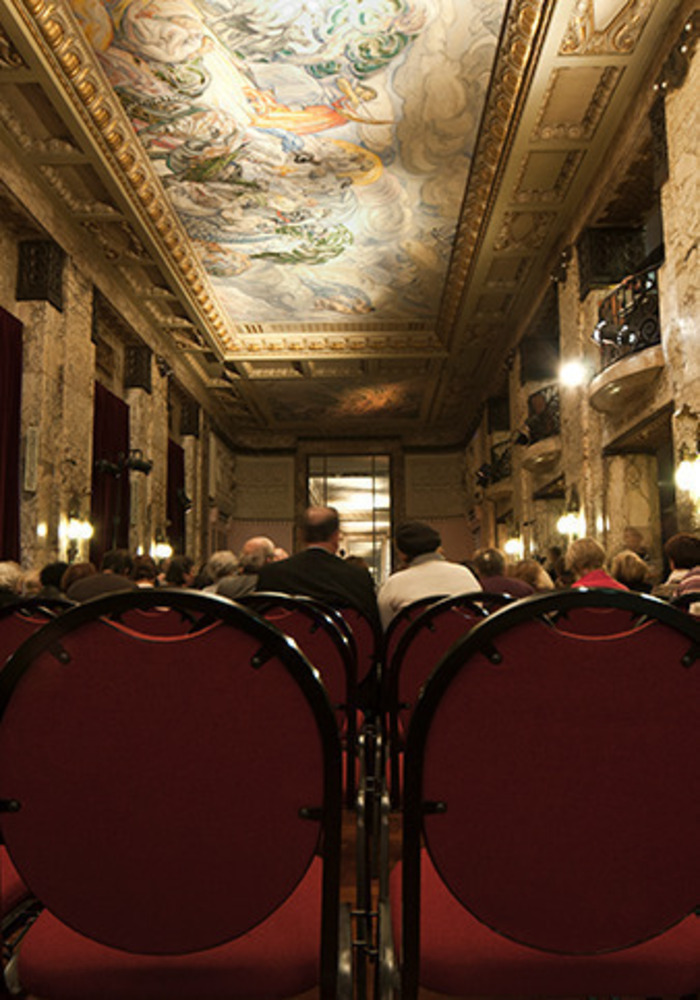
110,486
10,423
176,496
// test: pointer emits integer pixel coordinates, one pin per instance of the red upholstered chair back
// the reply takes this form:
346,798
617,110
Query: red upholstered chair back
398,625
367,637
321,634
190,778
317,632
554,777
423,644
158,621
20,620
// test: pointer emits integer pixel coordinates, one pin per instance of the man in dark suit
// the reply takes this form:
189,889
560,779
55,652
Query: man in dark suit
318,572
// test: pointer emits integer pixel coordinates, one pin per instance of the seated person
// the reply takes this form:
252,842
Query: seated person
490,564
424,573
317,571
586,558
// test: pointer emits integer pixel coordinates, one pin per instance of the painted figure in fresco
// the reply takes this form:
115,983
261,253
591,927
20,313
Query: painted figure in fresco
282,132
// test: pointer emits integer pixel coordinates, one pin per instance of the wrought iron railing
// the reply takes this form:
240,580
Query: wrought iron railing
628,318
501,464
543,413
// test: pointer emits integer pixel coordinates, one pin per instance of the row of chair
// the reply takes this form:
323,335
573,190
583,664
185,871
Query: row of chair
170,787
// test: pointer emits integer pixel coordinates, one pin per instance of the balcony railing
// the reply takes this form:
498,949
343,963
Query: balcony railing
501,464
543,414
628,318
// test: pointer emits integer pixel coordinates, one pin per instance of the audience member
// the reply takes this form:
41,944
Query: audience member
533,573
424,573
256,553
10,582
629,568
112,578
683,554
554,563
279,554
491,569
50,577
317,571
31,583
144,571
219,566
585,557
76,571
180,572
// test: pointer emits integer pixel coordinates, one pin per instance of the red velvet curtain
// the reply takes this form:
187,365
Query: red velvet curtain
10,423
110,480
176,496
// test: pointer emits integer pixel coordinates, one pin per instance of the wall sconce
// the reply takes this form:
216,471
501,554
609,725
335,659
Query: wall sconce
514,547
573,373
76,530
688,472
573,522
160,547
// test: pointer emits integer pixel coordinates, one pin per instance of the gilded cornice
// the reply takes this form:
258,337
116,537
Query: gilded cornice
525,26
75,72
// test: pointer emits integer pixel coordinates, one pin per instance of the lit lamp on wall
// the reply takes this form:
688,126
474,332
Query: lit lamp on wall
160,547
75,530
514,547
688,472
573,522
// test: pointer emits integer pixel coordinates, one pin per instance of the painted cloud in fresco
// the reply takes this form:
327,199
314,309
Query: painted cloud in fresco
315,152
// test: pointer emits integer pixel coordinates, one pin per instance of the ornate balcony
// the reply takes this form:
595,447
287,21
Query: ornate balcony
543,429
628,318
500,470
629,336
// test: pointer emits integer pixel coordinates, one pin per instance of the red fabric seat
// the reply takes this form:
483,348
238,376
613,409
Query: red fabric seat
57,962
461,956
14,891
551,822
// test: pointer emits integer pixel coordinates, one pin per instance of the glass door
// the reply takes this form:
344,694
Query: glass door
359,487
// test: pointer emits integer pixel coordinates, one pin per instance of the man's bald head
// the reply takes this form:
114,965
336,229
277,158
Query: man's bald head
256,552
321,526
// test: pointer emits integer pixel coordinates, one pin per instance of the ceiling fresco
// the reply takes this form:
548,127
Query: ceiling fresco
316,152
327,218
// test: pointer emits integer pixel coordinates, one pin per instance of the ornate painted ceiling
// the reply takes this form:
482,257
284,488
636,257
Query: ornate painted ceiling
340,212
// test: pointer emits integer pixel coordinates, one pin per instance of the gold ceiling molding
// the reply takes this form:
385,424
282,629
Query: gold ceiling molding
57,35
526,24
334,343
619,37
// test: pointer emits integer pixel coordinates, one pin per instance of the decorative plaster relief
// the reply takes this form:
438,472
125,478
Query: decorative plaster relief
9,56
524,231
593,31
575,102
546,177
